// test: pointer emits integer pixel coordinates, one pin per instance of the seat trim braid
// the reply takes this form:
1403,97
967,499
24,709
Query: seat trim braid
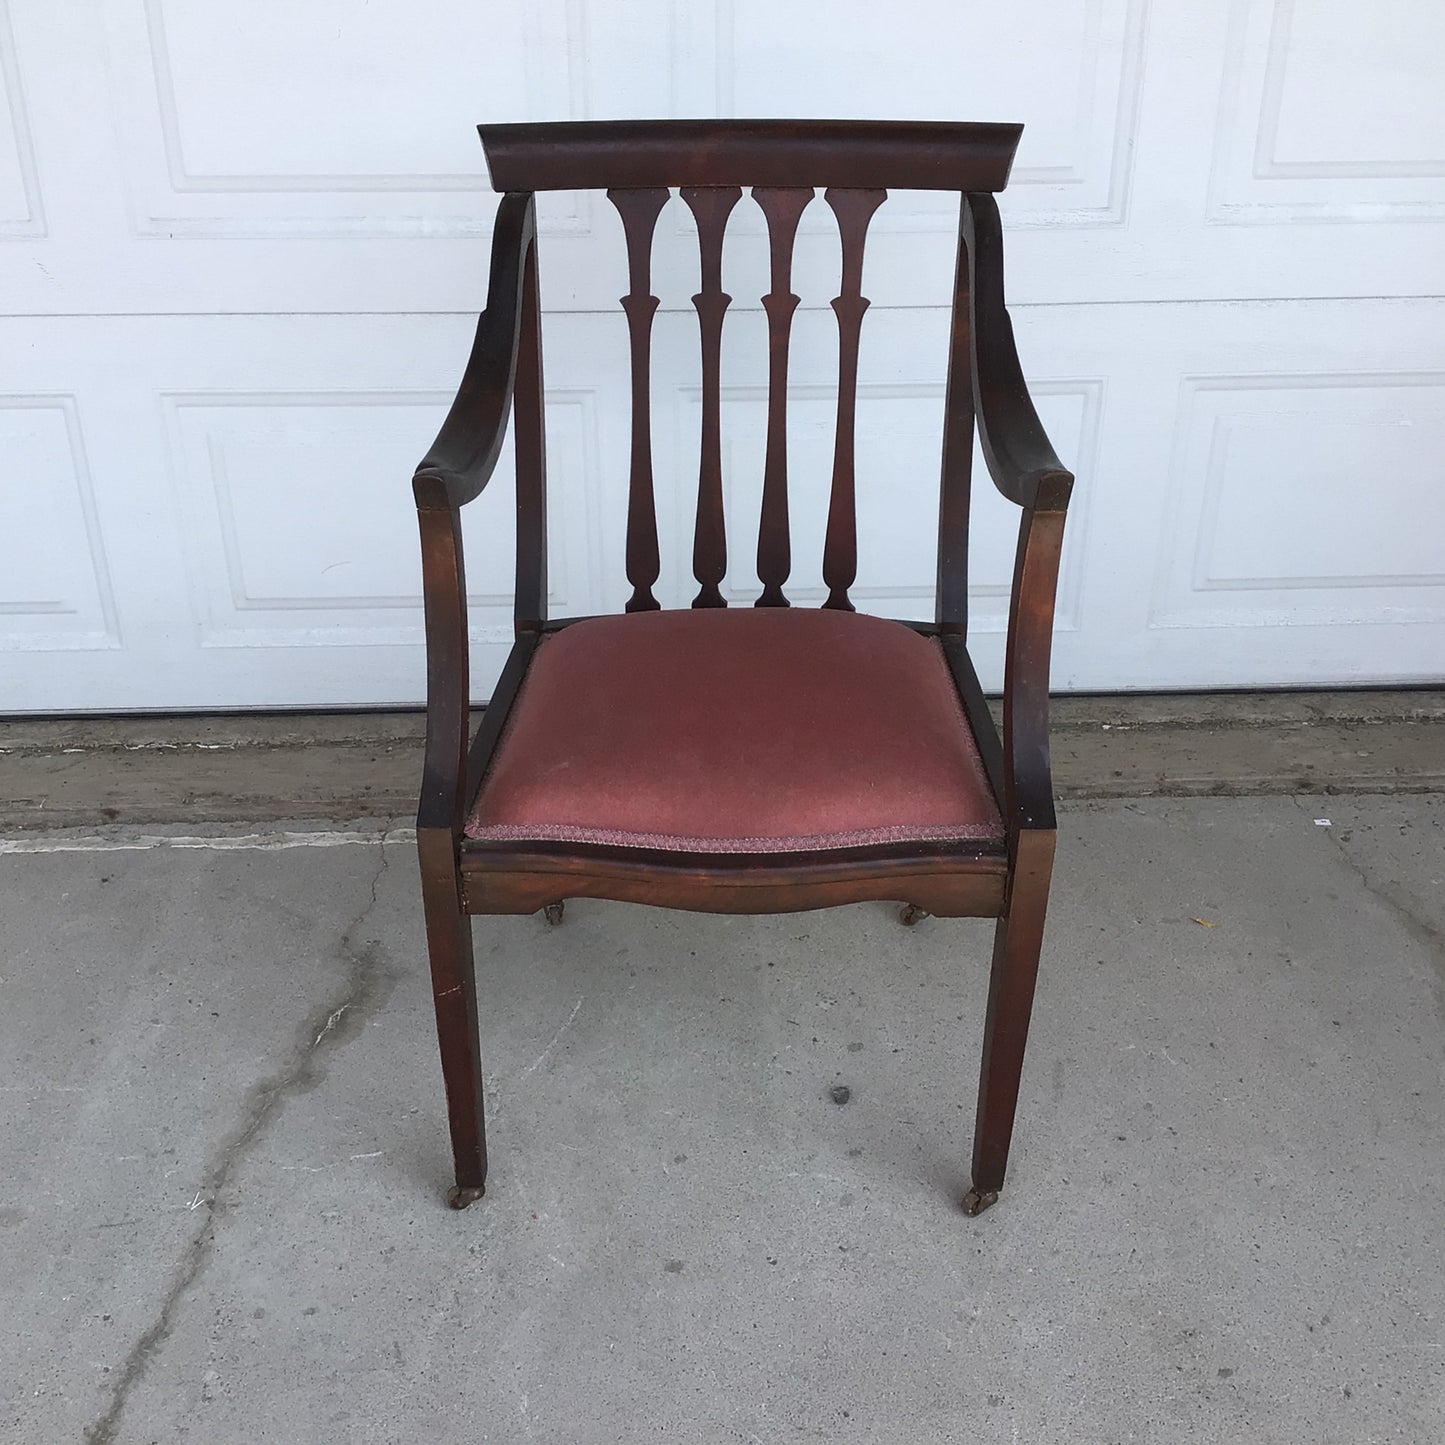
682,843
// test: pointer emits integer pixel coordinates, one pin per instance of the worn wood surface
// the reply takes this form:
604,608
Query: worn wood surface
950,883
588,155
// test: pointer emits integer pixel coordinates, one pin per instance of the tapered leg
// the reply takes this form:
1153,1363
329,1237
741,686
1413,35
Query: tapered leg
454,990
1017,941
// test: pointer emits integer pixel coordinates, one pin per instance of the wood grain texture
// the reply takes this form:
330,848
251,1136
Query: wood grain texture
528,400
1018,940
854,209
639,210
454,998
517,879
1006,878
905,154
465,452
783,206
1028,786
710,206
444,593
956,475
1020,458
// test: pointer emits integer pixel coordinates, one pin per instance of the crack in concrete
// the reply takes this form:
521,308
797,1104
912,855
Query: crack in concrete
1429,935
365,987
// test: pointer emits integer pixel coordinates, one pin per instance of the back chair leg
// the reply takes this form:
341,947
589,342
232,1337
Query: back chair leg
454,990
1017,941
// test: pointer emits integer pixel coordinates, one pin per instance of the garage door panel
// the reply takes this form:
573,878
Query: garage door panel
1302,501
243,278
292,510
286,522
343,121
334,166
1331,113
300,526
1179,565
55,591
20,207
1271,525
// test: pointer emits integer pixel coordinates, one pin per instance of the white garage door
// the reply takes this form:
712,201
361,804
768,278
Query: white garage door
245,245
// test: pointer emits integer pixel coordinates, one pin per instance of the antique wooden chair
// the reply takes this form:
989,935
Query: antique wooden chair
753,760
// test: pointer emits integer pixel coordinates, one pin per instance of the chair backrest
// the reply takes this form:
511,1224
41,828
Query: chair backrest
783,163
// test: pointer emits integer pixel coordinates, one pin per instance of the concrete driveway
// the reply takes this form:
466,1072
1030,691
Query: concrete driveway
223,1152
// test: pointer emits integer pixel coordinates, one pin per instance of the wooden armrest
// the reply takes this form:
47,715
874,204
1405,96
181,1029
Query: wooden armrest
448,691
1028,782
1028,472
459,464
466,449
1020,459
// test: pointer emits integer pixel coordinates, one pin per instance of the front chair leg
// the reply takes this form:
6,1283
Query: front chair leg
454,991
1017,941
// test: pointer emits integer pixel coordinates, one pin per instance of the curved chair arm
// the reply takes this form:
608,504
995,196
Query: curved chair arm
465,452
1028,782
1020,459
1027,471
459,464
447,679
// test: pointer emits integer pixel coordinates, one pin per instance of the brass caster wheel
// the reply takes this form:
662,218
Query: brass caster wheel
459,1196
553,912
977,1200
912,914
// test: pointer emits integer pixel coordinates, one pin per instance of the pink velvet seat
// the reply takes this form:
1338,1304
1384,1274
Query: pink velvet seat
737,731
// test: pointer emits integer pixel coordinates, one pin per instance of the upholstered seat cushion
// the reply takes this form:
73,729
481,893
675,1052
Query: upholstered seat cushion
737,730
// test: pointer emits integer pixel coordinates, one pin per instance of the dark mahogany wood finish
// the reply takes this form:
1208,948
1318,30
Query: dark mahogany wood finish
711,206
783,162
854,210
907,155
639,210
784,207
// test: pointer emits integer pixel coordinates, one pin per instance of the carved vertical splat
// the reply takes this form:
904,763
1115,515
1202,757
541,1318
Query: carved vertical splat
710,206
639,210
783,206
854,209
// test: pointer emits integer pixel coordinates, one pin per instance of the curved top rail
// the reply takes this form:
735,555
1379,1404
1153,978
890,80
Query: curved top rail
898,154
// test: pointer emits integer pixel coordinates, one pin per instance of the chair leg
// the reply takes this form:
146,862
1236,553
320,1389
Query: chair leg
454,991
1017,941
